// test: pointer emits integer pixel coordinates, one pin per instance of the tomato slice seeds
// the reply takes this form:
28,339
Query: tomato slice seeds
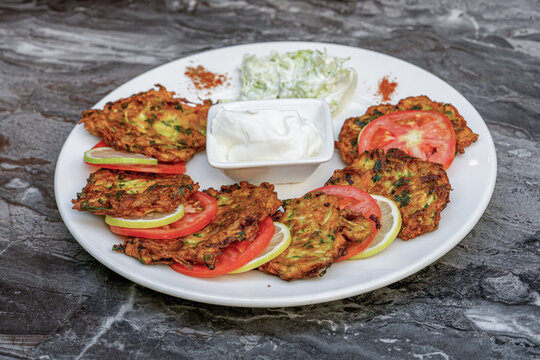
427,135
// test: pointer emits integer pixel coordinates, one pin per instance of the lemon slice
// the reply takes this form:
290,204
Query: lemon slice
150,220
279,242
107,155
390,226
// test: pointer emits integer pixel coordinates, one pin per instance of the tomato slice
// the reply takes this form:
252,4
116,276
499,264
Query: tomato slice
235,255
160,168
353,198
191,222
357,200
427,135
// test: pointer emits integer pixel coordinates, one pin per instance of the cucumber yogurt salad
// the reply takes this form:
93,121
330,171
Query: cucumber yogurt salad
298,74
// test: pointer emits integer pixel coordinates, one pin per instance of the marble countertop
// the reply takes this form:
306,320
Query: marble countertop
481,300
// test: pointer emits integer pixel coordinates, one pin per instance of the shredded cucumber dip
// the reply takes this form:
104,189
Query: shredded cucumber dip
298,74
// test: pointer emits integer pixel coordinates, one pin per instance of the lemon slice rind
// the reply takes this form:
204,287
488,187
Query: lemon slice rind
108,155
279,242
151,220
390,227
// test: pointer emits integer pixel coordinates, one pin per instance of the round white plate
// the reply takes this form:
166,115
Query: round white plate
472,176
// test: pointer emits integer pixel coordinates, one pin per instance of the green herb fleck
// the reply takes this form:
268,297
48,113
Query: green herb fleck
118,248
308,245
86,206
208,261
119,194
403,198
377,166
361,123
400,182
182,130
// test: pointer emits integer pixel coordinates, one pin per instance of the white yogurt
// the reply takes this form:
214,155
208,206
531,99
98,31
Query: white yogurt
263,135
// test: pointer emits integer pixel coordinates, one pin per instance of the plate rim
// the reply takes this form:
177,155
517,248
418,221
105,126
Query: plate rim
286,301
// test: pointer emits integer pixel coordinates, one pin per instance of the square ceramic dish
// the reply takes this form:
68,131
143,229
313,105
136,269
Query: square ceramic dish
315,111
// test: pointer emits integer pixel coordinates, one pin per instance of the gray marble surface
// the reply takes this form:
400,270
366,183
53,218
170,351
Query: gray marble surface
479,301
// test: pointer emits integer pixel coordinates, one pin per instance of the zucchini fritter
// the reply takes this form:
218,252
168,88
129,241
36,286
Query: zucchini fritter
320,232
420,188
240,209
348,137
152,123
131,194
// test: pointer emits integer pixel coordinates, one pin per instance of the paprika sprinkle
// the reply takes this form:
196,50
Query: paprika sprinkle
204,79
386,88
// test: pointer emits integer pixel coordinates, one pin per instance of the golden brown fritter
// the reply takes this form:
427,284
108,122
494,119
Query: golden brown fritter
240,209
348,137
320,234
420,188
131,194
152,123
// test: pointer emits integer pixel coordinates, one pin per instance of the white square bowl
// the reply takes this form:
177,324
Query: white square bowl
314,111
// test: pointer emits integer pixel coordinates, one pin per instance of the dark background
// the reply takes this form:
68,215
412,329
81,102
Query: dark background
58,58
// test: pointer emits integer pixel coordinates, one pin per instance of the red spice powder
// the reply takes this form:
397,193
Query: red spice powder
204,79
386,88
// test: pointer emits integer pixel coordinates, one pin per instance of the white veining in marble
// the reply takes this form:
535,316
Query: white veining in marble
57,58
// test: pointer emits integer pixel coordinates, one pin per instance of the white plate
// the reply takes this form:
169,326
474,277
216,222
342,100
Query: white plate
472,176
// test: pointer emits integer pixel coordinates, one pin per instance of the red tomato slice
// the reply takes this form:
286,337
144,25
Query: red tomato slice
160,168
188,224
427,135
360,201
235,255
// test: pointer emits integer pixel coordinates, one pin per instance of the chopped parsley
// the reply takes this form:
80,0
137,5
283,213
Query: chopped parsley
182,130
376,177
361,123
400,182
403,198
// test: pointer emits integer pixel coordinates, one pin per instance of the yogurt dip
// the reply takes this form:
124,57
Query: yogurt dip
263,135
